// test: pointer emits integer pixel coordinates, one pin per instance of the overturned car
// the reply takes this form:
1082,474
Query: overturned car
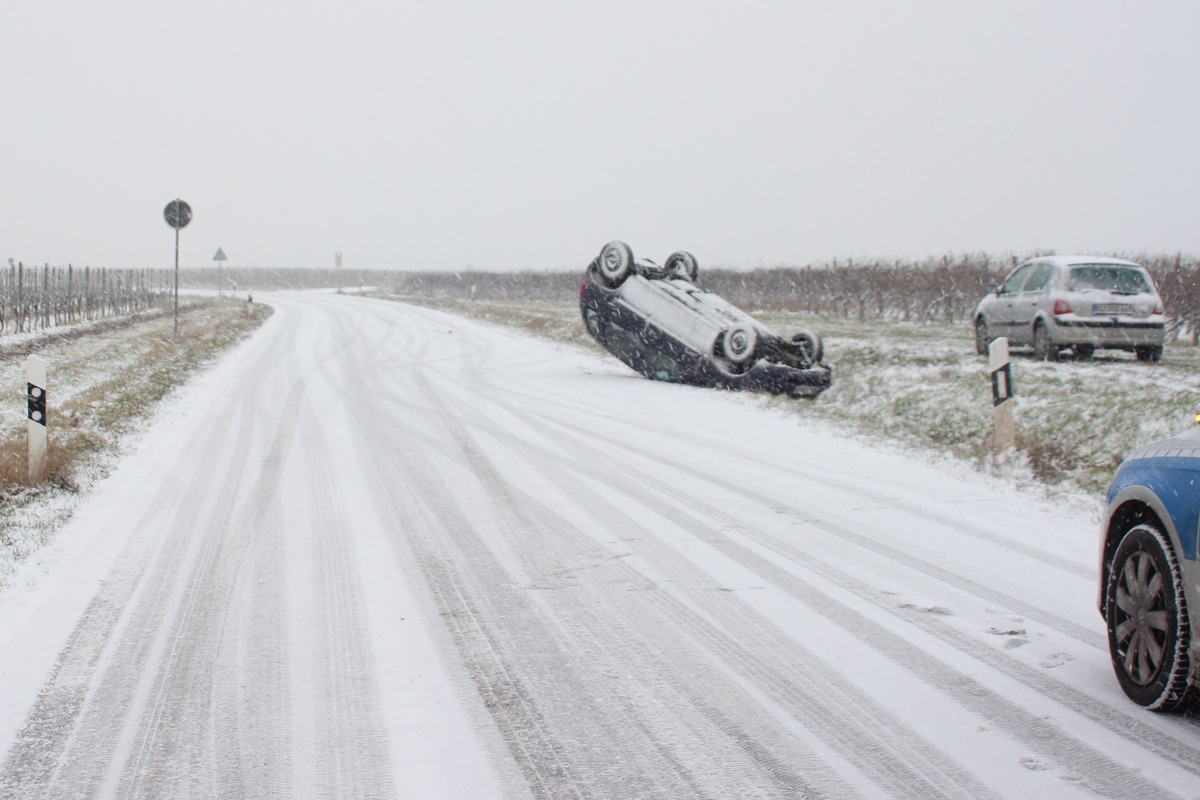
659,322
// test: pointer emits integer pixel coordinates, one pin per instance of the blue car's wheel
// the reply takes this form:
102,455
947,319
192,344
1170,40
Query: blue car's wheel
615,263
682,264
1148,630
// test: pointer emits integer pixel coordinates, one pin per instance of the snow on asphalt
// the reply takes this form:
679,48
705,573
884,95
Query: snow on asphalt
381,551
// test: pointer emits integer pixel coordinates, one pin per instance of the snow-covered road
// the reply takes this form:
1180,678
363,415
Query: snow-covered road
382,551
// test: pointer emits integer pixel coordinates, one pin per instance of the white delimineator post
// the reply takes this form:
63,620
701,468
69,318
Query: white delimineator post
1002,393
35,376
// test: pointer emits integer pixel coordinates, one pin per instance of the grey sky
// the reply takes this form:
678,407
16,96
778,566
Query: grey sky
525,134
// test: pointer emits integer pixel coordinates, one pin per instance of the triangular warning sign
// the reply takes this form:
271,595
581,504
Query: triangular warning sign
220,256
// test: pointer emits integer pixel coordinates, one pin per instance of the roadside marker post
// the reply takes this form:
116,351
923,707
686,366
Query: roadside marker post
35,395
1002,393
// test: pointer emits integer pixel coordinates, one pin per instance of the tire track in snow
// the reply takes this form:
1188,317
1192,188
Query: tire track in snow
433,531
894,554
64,746
235,612
501,493
536,532
1104,776
512,664
873,740
189,620
350,757
1153,739
963,526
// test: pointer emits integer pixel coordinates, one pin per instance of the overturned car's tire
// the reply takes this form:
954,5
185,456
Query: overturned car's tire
809,348
738,344
615,263
682,264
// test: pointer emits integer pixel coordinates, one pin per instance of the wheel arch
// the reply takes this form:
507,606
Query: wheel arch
1040,318
1134,506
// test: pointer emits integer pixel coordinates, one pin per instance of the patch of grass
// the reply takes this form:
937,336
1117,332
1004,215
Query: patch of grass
104,382
89,418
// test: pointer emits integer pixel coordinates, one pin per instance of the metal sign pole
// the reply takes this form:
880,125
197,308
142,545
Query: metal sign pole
177,283
220,259
177,214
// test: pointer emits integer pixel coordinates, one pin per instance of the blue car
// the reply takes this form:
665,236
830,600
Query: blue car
1150,575
663,324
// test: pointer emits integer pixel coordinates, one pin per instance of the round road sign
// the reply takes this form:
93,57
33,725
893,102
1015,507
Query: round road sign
178,214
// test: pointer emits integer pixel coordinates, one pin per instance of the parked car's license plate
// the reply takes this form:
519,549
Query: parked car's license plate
1111,308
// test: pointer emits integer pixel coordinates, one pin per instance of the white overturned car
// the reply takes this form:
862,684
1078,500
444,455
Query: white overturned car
661,323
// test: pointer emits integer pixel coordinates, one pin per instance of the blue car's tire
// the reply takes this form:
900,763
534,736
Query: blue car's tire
1148,630
682,264
615,263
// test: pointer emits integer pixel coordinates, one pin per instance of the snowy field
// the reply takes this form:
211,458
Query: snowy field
383,551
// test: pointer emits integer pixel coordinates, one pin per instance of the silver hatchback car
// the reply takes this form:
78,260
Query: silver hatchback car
1076,302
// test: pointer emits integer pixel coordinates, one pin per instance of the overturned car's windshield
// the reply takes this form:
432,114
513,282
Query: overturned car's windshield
1121,280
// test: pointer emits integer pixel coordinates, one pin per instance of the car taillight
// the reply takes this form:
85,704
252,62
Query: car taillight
1061,307
1158,309
583,286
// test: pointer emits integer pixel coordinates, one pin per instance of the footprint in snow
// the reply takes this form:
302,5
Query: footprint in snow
1056,660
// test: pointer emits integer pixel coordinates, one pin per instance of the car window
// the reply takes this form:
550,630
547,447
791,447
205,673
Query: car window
1038,278
1016,280
624,344
593,321
1121,280
634,352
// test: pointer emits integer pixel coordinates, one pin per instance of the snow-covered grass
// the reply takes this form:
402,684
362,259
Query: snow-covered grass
103,382
922,385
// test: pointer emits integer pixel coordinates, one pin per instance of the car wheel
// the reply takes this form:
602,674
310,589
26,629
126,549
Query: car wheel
1146,612
982,340
682,264
1043,350
809,347
738,344
615,263
1152,354
1084,352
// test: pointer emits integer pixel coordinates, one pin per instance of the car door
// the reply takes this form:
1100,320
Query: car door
1001,312
1028,301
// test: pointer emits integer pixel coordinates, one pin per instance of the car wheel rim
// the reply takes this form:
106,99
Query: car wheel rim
739,343
1142,619
613,262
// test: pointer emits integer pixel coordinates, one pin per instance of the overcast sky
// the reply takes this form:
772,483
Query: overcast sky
526,134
